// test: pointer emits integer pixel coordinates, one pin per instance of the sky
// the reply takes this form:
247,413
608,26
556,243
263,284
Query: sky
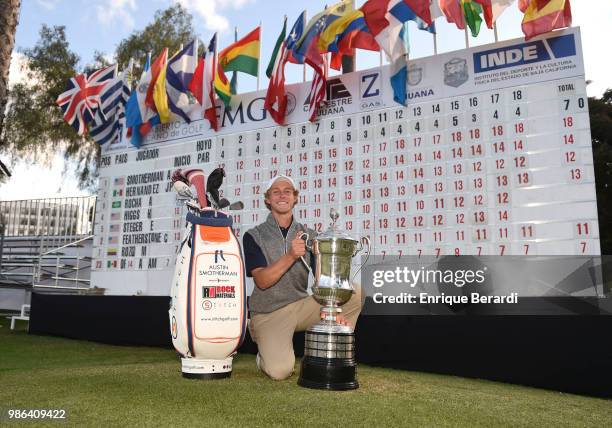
99,25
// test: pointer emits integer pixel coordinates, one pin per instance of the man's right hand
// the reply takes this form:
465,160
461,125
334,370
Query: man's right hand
298,246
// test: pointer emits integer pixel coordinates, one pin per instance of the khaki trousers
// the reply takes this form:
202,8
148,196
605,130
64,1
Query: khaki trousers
273,332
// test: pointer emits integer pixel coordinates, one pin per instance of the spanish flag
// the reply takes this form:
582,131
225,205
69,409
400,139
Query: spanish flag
542,16
242,55
156,98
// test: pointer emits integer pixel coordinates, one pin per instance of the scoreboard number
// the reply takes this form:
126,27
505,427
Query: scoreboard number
501,171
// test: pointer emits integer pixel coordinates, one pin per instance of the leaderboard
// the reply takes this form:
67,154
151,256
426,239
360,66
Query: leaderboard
491,156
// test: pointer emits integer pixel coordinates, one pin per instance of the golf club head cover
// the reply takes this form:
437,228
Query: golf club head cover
214,182
197,179
177,175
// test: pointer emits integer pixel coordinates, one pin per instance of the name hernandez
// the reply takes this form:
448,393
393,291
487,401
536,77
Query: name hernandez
425,298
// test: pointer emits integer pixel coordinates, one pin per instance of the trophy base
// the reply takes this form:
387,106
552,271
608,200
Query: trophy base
329,358
193,368
333,374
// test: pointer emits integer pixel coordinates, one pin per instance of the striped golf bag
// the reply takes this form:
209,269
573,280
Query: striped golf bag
208,313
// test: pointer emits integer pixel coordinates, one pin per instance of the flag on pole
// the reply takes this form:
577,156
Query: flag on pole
156,98
492,9
307,47
276,98
110,117
351,33
276,50
202,87
385,19
541,18
471,12
222,86
180,72
421,9
140,118
242,55
435,11
453,12
319,82
399,69
320,22
345,34
82,97
296,33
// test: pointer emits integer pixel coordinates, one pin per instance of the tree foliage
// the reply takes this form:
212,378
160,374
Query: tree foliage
601,133
34,124
170,28
35,128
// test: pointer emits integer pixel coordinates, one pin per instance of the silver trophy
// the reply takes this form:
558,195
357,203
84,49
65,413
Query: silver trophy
329,350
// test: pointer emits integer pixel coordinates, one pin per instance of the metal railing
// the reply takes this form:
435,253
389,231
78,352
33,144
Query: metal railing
64,269
43,240
72,217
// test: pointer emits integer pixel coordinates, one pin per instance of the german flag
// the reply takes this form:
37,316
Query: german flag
242,55
542,16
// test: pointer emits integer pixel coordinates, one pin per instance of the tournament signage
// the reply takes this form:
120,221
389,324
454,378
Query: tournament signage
492,156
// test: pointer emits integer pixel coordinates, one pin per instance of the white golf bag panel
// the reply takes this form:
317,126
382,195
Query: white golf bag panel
208,312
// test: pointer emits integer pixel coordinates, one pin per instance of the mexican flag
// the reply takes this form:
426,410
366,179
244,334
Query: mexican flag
276,99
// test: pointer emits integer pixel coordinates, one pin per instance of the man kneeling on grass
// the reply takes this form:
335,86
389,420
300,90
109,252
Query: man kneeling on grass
280,305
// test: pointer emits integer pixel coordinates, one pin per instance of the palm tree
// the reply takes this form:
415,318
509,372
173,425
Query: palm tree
9,16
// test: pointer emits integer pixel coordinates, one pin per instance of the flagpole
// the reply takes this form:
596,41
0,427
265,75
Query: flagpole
467,40
304,65
407,50
435,40
259,55
495,32
234,74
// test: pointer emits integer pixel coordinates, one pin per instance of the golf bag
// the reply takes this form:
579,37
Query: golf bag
208,313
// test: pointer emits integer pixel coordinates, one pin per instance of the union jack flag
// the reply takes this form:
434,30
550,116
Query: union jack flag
82,97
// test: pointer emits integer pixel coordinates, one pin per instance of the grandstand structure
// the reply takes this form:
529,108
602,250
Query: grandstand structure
45,245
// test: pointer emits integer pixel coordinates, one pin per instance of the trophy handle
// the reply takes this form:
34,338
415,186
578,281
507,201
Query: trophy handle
305,237
365,240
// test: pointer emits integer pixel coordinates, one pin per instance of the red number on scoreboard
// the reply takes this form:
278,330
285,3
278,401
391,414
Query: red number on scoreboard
576,174
583,228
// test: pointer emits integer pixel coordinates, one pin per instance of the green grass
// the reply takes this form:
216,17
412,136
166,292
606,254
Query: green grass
102,385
